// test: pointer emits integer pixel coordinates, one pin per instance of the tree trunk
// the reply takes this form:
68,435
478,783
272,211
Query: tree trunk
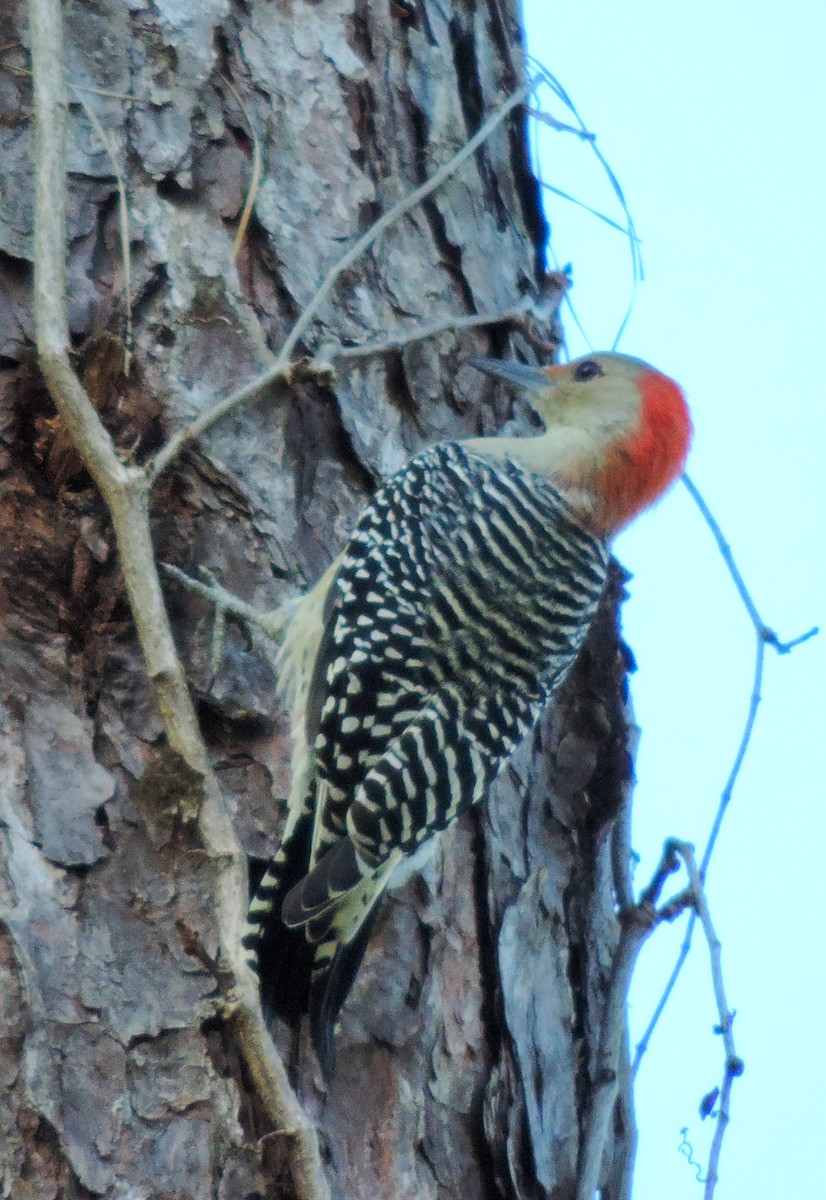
467,1049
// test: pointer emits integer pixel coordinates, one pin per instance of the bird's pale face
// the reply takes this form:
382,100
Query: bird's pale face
616,432
599,396
596,398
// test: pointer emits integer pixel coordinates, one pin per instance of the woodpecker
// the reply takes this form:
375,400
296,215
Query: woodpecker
428,649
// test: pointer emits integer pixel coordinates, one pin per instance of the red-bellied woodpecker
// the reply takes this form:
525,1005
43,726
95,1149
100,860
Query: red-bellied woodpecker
428,649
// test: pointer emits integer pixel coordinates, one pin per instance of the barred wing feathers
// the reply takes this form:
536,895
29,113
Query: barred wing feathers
457,609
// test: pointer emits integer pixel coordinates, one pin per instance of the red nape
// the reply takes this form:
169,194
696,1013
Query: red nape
644,465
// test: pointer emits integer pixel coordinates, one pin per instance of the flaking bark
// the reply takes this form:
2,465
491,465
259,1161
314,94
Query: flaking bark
466,1050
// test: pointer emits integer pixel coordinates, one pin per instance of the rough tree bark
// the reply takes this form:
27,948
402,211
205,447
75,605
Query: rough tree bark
468,1047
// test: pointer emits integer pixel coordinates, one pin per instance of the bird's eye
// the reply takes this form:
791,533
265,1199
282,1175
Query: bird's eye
587,370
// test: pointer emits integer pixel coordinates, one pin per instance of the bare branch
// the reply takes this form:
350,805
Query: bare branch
637,273
405,205
125,491
559,126
227,604
764,637
255,174
686,853
283,1108
667,865
636,924
76,87
281,364
422,332
123,222
549,187
733,1066
123,488
321,365
764,632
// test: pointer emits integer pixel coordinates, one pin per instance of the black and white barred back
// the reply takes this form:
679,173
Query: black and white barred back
461,604
459,607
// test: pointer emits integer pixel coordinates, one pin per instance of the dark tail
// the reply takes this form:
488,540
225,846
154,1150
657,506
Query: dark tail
282,957
330,987
309,963
335,905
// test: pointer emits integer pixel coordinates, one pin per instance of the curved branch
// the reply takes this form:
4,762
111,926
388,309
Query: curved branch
125,491
763,631
725,799
123,488
765,636
733,1065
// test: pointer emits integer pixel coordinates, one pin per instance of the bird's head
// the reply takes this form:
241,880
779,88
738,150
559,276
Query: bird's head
617,432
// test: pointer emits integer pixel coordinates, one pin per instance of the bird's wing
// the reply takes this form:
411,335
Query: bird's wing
459,604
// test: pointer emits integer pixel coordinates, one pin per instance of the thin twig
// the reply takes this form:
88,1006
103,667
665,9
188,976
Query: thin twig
403,206
736,766
666,867
175,444
225,603
76,87
123,488
421,332
764,636
123,224
686,853
127,96
321,364
569,303
636,925
637,272
281,364
733,1066
725,799
764,632
255,174
549,187
125,491
559,126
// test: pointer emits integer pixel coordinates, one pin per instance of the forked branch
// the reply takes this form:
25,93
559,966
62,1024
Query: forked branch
637,923
764,636
733,1064
125,491
282,364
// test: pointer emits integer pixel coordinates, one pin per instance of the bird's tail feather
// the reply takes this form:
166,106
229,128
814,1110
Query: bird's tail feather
333,977
282,958
338,884
335,907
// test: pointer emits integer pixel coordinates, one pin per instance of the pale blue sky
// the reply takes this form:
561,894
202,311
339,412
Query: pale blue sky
712,117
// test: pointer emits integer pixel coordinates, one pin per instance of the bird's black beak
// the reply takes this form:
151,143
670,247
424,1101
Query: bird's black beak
526,378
